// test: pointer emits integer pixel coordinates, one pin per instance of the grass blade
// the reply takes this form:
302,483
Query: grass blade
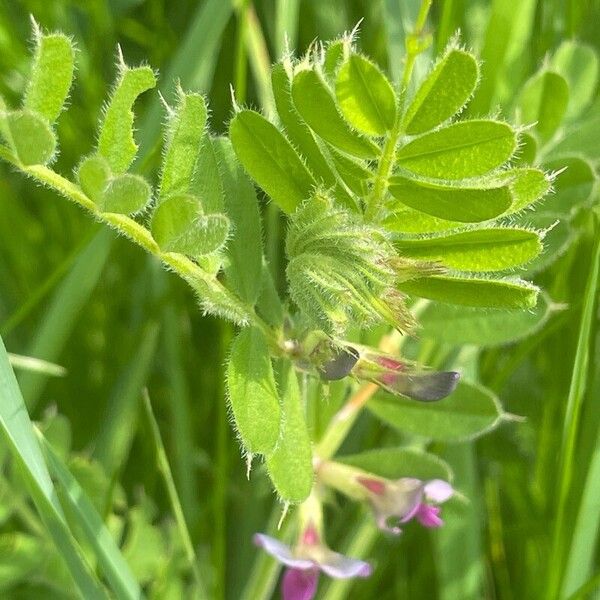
109,556
575,400
17,431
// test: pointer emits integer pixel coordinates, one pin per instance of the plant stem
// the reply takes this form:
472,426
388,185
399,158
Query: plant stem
414,47
183,266
165,471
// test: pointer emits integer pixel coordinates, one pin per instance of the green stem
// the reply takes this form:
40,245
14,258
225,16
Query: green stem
183,266
165,471
414,46
571,421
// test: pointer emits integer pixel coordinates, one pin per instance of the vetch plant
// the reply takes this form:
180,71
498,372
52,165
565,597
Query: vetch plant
394,203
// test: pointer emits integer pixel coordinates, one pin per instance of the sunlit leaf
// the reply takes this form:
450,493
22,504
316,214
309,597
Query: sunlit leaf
316,104
452,203
478,250
474,292
443,93
365,96
270,159
464,149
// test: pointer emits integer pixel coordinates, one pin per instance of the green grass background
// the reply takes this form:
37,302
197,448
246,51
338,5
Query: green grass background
74,294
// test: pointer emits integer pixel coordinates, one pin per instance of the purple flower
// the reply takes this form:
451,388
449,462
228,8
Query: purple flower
306,560
405,499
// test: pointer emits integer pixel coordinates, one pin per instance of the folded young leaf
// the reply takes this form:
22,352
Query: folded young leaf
479,250
459,151
544,101
457,325
334,53
252,393
469,412
365,96
184,132
270,159
394,463
178,225
491,293
452,203
290,464
443,93
243,269
578,64
124,194
316,105
116,142
30,136
51,75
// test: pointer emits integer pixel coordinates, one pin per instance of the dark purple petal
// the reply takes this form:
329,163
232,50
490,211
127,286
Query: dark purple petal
340,366
428,515
429,387
299,584
281,552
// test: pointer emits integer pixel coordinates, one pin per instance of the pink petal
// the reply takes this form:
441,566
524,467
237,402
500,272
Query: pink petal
428,516
299,584
438,490
375,486
281,552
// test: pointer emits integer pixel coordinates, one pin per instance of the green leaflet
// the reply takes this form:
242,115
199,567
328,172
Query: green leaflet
290,464
93,173
489,293
479,250
403,219
32,138
116,142
527,185
451,324
470,411
297,131
184,134
51,75
252,392
443,93
578,64
270,159
544,101
178,225
206,181
365,96
394,463
528,148
124,194
464,149
450,202
244,251
317,107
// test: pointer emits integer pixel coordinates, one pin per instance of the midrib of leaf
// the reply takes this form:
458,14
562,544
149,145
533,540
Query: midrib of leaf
453,147
372,99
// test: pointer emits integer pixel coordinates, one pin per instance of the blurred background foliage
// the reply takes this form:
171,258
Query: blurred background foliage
74,294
